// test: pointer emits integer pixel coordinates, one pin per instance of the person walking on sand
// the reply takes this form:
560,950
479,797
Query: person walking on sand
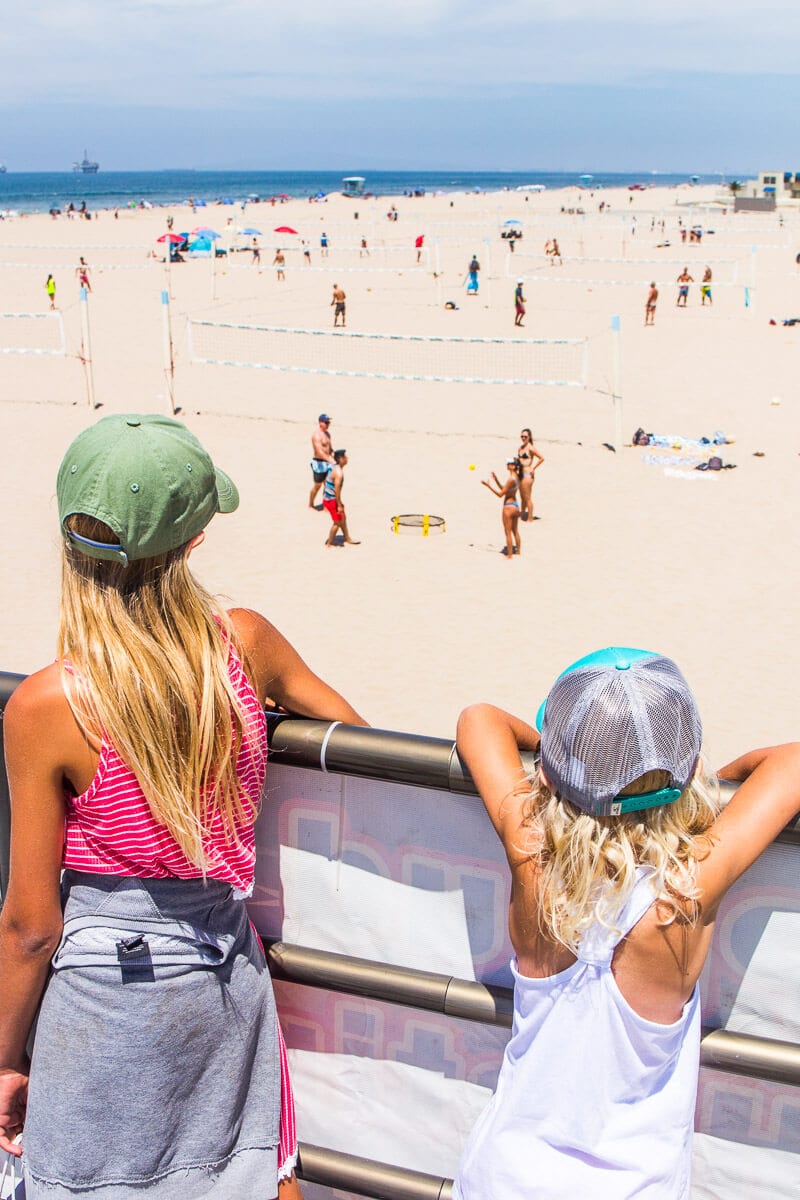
279,263
323,245
519,304
508,492
683,281
419,242
472,276
50,288
82,272
322,456
650,305
332,500
620,854
255,250
363,251
306,253
134,793
529,460
705,289
338,305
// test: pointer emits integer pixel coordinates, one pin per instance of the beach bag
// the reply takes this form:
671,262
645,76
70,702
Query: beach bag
715,463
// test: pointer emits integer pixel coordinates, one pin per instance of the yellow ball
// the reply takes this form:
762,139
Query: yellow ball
472,466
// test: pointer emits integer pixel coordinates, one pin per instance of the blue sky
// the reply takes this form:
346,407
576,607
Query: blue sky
699,86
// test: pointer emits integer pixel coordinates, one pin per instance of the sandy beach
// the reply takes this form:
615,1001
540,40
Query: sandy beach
633,546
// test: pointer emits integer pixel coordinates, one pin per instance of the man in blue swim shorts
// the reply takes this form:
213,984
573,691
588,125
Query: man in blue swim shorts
683,281
322,462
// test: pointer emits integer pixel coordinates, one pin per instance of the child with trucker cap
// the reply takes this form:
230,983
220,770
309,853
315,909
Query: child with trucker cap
136,763
619,855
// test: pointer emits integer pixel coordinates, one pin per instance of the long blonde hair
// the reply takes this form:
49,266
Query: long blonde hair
587,864
149,650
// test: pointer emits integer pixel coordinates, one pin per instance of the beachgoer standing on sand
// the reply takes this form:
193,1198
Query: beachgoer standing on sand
363,250
338,304
82,272
508,492
332,499
323,245
50,288
650,304
279,262
306,253
519,304
419,241
555,252
683,281
256,252
322,455
705,290
620,857
529,460
472,276
141,782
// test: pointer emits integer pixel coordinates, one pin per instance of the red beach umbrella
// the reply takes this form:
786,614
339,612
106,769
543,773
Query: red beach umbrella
285,229
170,237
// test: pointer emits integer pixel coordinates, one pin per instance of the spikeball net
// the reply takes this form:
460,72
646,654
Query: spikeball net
423,523
559,362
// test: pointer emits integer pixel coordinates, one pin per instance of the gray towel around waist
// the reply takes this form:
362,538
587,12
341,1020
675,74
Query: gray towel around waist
155,1065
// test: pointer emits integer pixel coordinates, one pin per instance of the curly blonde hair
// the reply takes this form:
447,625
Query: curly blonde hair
588,864
149,650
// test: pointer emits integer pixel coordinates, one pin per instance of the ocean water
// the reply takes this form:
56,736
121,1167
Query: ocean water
40,191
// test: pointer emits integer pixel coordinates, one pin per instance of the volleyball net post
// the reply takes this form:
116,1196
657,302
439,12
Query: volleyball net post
86,349
169,356
616,379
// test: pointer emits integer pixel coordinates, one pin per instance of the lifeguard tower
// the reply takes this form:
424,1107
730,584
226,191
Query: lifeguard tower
353,185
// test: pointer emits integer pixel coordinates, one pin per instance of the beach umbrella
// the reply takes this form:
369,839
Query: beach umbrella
285,229
250,232
202,231
511,221
172,238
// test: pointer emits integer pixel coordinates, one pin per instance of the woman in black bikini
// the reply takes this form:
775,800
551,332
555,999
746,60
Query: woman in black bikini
508,491
529,458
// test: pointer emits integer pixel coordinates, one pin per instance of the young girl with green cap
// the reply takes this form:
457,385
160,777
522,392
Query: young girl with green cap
136,763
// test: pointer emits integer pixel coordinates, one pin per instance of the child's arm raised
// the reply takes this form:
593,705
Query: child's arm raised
767,799
489,741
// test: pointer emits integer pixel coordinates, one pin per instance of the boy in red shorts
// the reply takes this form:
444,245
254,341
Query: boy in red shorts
332,499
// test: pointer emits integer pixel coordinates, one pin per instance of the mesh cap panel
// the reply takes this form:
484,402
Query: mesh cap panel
607,723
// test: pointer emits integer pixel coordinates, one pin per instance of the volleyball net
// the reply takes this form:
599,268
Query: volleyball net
538,362
619,272
32,333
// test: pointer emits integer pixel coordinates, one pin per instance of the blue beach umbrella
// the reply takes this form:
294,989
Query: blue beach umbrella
203,232
250,232
511,221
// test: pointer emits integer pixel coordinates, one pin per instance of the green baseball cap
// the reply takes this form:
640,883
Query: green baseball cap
145,476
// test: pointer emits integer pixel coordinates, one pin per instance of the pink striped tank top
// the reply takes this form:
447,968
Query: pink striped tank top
111,831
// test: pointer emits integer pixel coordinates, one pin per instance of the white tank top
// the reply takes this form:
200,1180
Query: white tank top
592,1099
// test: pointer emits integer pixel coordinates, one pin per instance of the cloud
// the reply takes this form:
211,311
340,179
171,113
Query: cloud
200,53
